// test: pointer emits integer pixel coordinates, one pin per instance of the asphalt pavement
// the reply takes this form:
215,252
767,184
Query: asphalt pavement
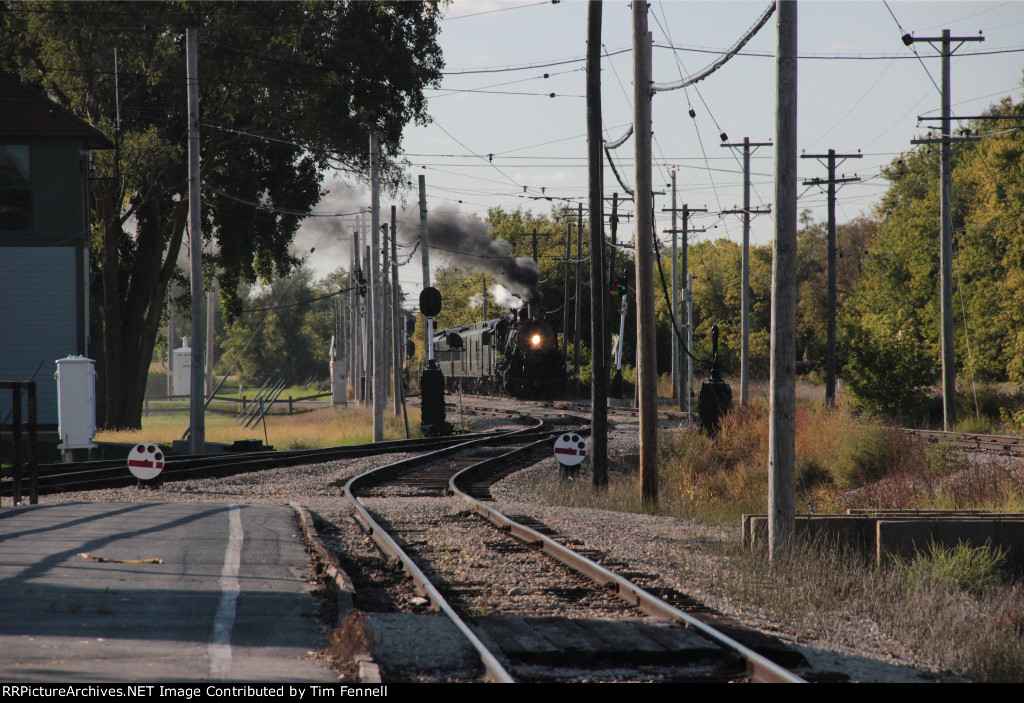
144,592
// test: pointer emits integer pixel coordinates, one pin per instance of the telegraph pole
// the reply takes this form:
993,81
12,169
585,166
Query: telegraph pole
197,417
782,399
565,304
397,348
380,392
832,182
579,298
357,321
599,362
424,244
745,266
684,389
646,352
674,306
946,50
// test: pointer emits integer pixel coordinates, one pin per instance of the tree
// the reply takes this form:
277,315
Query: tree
284,332
288,91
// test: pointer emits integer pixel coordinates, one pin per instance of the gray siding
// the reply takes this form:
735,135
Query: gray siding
58,192
39,319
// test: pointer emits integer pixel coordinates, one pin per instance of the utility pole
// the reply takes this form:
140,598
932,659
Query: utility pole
579,298
565,305
595,163
397,348
646,352
946,50
170,346
211,309
197,416
357,321
368,325
831,183
782,398
424,243
353,319
380,383
684,390
745,267
674,306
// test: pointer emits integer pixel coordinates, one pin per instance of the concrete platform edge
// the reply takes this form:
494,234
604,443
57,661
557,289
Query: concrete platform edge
369,671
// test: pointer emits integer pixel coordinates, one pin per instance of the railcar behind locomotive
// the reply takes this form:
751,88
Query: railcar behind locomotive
515,355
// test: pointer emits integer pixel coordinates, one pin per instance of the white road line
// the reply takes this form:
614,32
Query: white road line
219,649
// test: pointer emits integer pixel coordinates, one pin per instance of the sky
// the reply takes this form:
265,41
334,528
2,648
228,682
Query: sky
498,139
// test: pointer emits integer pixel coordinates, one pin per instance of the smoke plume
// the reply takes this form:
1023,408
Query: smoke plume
463,239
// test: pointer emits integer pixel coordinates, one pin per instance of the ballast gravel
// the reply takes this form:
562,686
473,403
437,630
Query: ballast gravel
685,555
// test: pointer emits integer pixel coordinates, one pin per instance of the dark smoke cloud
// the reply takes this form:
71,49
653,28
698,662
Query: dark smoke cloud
464,239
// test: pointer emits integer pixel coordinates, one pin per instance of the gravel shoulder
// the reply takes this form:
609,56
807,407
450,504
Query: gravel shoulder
685,554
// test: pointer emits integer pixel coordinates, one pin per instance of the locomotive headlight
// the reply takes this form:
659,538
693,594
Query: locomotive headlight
535,340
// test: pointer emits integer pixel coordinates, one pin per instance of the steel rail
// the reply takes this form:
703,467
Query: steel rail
494,671
760,668
112,473
979,442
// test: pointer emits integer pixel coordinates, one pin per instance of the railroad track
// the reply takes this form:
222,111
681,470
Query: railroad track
1000,444
495,577
90,475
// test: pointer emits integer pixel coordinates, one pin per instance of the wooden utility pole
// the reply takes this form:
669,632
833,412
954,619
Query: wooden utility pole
197,417
745,267
565,305
357,321
831,183
353,319
598,294
380,392
684,389
674,304
579,299
782,399
424,239
946,50
397,347
646,351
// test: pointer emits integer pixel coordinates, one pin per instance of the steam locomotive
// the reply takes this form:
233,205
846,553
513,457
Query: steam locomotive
515,355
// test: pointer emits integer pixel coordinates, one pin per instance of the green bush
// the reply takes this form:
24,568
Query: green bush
866,454
885,374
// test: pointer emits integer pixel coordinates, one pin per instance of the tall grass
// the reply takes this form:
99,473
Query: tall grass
952,606
949,606
842,461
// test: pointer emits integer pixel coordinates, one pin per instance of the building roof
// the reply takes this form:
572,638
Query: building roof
26,112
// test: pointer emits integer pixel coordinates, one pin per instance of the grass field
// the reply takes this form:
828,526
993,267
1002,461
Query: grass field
305,429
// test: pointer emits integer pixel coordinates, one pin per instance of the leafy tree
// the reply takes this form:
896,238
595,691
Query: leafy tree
897,295
288,91
990,251
284,331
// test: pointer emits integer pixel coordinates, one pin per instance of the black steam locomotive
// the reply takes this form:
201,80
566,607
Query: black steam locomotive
515,355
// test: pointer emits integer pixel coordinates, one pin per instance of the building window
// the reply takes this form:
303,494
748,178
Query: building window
15,189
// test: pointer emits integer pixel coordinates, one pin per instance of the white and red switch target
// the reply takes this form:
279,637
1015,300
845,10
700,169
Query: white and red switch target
570,449
146,461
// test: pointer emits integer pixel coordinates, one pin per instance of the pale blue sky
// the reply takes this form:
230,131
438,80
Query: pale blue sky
857,90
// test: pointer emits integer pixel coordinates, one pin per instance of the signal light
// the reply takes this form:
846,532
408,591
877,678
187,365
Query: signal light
619,286
362,287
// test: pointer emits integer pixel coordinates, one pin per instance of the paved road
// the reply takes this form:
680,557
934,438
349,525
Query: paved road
229,601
